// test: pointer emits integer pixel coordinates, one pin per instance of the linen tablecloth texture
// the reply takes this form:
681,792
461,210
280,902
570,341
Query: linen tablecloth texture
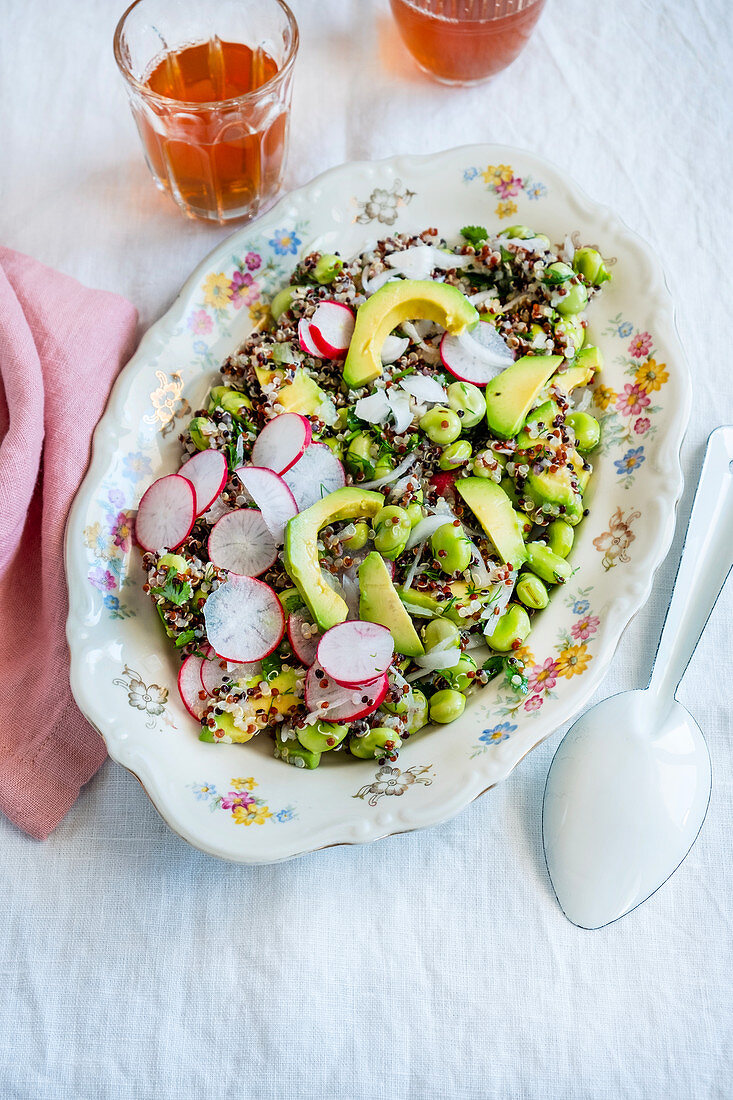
433,966
60,347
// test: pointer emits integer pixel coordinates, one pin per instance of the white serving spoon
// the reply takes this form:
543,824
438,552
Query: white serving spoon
629,785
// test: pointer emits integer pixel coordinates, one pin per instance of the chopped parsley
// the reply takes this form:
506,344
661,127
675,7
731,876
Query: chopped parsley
475,234
172,590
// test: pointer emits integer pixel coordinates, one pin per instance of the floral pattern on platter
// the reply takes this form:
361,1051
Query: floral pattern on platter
243,807
383,205
571,658
109,539
500,180
614,543
392,781
168,404
150,698
627,417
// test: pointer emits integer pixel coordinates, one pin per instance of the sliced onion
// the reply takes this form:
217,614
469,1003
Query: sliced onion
392,348
392,475
482,296
399,403
374,409
532,244
445,654
426,527
371,286
420,261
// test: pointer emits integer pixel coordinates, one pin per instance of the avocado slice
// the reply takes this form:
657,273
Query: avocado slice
511,395
420,603
493,509
380,603
301,550
292,752
555,488
406,300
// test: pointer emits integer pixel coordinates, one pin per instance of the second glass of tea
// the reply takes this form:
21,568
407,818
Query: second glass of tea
209,84
465,41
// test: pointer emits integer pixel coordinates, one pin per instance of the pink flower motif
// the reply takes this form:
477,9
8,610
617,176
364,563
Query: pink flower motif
543,677
640,345
534,703
252,260
237,798
200,322
585,627
506,189
122,531
642,425
102,579
244,290
632,400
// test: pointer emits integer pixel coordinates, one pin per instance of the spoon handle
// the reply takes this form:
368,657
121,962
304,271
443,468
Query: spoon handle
707,557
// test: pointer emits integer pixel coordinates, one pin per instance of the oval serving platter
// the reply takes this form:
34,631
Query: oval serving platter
238,802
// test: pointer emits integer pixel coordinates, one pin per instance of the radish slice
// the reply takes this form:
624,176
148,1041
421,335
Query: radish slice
317,474
424,388
331,328
305,649
476,356
207,472
244,620
305,339
189,687
272,497
282,442
215,672
241,543
340,704
166,513
355,653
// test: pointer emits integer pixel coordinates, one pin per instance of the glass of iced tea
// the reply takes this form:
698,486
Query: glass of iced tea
465,41
209,83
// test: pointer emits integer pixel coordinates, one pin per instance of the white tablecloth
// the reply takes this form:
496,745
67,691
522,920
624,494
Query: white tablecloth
436,964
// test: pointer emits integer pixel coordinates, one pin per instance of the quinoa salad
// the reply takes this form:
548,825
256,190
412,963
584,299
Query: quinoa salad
381,492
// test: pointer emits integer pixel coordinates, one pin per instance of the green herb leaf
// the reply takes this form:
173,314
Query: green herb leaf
172,591
474,234
185,638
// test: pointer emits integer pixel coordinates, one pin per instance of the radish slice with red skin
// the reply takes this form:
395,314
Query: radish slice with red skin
271,495
190,688
344,704
356,653
282,442
242,543
477,355
214,673
166,513
244,620
314,476
207,472
305,649
331,328
306,341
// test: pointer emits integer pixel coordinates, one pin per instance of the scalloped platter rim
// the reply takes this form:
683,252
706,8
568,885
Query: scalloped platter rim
238,802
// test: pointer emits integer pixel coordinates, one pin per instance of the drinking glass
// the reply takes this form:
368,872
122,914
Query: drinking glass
465,41
209,84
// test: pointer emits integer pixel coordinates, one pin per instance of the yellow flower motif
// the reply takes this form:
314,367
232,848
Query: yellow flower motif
243,784
251,815
651,376
496,174
605,396
217,290
260,814
573,660
525,655
505,209
259,314
91,534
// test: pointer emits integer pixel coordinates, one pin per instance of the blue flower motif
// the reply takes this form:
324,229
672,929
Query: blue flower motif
284,242
631,461
112,603
203,791
535,190
200,347
497,734
136,465
580,607
470,174
625,329
284,815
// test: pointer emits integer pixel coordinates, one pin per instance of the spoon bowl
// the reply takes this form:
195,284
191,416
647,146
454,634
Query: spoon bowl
629,786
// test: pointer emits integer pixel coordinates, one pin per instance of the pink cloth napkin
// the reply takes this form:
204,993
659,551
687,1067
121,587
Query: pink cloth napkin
61,346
